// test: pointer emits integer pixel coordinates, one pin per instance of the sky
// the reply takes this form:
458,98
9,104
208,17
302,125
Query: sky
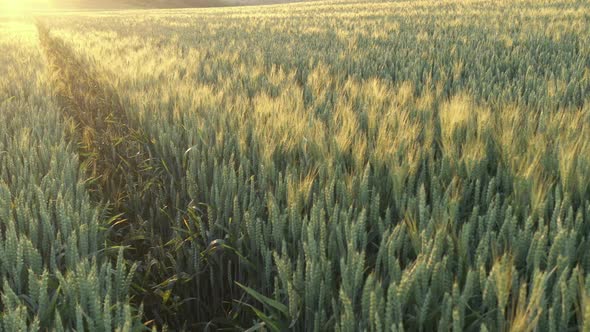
8,7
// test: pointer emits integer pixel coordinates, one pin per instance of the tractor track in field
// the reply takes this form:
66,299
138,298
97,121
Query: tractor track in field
108,144
122,172
127,176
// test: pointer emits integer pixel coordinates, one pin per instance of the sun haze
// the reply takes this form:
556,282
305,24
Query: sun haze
20,7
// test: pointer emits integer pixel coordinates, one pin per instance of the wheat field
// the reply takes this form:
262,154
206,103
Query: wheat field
339,165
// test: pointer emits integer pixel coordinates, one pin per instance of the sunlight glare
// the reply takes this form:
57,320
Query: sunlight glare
22,7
